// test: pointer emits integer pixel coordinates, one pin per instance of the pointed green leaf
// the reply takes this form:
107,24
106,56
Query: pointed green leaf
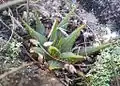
65,21
53,33
56,33
39,26
59,36
54,65
63,31
34,34
54,51
71,57
91,50
67,43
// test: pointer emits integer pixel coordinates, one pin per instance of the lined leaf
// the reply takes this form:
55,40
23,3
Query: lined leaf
59,36
63,31
56,33
39,26
53,65
91,50
67,43
71,57
34,34
53,33
64,22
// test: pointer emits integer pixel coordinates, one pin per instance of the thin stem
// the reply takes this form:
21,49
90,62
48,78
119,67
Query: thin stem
10,3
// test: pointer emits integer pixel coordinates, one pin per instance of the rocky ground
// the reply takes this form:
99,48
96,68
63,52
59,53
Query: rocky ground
86,12
106,11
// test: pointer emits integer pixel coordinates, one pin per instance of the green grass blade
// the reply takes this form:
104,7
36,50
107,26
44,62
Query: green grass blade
34,34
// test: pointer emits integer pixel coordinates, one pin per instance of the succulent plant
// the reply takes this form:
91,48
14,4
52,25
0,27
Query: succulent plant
57,47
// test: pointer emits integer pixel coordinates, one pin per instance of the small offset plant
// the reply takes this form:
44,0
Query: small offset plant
57,47
106,67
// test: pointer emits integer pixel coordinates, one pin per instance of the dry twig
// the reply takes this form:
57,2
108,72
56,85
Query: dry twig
13,27
11,3
27,8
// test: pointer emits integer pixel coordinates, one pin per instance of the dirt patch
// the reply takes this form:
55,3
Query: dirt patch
30,76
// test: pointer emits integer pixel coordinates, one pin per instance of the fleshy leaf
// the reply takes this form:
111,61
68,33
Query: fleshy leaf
65,20
39,26
71,57
56,32
54,65
67,43
91,50
34,34
53,33
54,51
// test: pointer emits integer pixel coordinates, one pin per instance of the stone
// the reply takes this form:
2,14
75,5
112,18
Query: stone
106,11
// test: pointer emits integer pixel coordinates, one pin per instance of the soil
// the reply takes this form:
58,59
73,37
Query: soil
49,9
29,76
115,81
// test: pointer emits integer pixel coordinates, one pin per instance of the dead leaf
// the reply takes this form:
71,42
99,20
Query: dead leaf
34,42
47,44
40,58
70,68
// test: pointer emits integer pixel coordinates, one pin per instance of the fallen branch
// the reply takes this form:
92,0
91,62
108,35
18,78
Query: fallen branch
16,69
10,3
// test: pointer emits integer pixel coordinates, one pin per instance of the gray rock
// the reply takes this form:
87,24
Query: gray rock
106,11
